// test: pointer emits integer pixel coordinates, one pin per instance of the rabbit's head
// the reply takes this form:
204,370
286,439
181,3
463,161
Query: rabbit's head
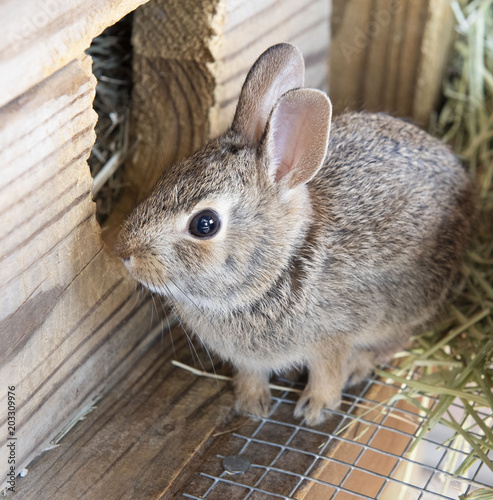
219,227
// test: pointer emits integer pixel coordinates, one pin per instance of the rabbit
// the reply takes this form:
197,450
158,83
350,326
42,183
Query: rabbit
294,241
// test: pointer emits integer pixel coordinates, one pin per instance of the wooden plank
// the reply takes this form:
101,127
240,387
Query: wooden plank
389,55
140,437
245,29
70,322
190,61
438,38
41,37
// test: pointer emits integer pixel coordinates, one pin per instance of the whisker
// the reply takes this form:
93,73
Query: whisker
188,298
140,294
169,325
134,295
154,305
152,309
165,312
195,331
174,304
192,346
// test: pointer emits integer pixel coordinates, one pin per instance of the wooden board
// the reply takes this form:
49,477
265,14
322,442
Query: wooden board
190,61
390,55
70,321
155,422
39,38
247,28
71,324
281,454
162,430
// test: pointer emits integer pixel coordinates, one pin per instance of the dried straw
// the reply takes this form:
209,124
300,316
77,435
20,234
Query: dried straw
453,363
111,54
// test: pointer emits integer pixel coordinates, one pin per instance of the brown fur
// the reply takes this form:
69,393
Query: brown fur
326,263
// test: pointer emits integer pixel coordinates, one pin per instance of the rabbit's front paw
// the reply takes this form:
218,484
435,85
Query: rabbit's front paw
252,393
311,406
253,402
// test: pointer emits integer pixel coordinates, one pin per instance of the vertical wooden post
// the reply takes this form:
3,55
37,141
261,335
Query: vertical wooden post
70,324
389,55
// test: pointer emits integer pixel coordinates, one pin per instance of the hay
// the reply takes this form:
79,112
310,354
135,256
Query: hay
111,53
454,361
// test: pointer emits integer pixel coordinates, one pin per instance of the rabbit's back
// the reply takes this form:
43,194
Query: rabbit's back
393,210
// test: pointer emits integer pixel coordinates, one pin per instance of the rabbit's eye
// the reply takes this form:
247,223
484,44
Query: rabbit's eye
204,224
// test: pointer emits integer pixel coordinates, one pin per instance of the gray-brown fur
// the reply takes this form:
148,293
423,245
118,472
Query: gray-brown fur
333,272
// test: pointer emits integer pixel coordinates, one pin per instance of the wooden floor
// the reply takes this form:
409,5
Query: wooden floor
162,431
156,431
141,436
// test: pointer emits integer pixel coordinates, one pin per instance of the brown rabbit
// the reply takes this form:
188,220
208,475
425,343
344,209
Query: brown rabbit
280,248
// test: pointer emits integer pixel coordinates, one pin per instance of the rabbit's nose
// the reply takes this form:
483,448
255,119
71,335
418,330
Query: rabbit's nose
129,261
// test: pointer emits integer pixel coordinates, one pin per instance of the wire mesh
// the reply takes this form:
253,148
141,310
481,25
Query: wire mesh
362,451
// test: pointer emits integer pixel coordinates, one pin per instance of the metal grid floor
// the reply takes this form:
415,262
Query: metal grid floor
367,460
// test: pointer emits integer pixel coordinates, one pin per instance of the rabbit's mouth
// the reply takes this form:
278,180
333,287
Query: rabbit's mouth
144,274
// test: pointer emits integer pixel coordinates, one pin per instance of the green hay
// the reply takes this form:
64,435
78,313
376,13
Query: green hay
454,361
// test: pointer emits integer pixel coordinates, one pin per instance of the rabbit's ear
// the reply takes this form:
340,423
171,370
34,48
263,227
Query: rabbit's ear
297,136
279,69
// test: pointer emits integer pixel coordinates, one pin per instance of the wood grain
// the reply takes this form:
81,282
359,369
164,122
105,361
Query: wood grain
248,28
71,325
70,322
190,61
154,423
389,55
39,38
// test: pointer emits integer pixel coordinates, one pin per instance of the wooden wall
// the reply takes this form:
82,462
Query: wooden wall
39,38
70,323
390,55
